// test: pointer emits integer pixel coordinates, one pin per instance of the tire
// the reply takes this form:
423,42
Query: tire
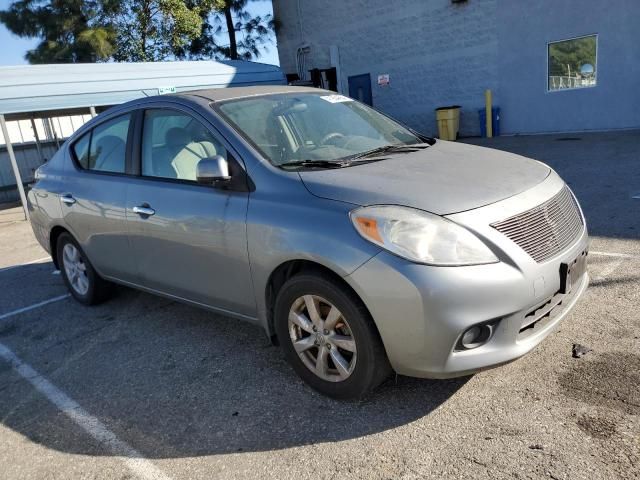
360,370
81,279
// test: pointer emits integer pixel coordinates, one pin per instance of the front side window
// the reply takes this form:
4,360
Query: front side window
104,149
173,143
572,63
294,127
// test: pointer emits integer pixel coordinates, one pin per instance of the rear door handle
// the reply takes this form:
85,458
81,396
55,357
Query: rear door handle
68,199
144,210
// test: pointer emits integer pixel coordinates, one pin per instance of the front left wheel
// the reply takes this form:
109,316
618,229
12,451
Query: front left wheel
328,337
78,274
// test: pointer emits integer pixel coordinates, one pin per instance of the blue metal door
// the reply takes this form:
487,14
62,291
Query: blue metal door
360,88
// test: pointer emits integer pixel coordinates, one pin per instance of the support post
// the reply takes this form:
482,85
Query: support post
14,165
37,139
489,113
53,131
92,111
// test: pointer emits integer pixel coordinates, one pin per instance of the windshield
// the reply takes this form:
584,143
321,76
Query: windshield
299,127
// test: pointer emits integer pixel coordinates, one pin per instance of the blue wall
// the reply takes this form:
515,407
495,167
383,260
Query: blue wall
523,34
438,53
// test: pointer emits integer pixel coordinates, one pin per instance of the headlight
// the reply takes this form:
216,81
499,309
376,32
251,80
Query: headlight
420,236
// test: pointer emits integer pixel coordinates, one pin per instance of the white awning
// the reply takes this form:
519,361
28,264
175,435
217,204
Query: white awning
29,89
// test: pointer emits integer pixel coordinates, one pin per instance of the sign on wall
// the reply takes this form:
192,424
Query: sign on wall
383,80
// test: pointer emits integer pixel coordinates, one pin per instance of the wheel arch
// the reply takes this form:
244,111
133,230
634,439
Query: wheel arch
53,241
287,270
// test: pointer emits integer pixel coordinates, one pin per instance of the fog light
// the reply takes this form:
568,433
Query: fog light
476,336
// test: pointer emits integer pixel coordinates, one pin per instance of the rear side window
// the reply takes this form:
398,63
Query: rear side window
104,148
81,150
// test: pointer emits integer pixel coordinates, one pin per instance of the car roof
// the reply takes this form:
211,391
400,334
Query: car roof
203,97
220,94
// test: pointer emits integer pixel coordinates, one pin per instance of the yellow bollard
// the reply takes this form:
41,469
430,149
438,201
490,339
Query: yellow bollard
487,106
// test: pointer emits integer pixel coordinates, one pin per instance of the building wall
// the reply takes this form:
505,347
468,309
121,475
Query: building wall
436,53
523,36
439,53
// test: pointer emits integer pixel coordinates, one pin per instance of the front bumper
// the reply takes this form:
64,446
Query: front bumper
421,311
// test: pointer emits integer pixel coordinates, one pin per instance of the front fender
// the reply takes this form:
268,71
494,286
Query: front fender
302,227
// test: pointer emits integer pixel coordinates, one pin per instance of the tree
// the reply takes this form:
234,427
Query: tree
137,30
246,34
153,30
566,58
70,30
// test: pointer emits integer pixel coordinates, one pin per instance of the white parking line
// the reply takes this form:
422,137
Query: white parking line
138,465
613,254
609,269
39,260
35,305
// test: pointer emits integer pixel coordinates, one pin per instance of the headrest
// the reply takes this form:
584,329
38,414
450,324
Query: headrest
177,137
108,143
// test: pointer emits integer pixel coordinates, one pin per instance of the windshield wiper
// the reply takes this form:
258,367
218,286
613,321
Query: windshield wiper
389,149
358,157
316,163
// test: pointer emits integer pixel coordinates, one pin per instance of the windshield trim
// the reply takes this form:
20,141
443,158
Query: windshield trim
215,105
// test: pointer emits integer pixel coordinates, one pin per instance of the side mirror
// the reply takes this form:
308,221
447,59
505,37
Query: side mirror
212,170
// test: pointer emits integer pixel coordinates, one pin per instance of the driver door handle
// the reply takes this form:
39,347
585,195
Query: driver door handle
144,210
68,199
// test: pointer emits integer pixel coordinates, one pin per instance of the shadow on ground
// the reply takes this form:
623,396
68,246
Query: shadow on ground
176,382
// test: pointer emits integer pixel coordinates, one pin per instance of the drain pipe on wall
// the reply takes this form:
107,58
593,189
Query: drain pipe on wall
334,56
300,23
303,49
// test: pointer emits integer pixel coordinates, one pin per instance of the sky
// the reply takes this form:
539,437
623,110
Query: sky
13,48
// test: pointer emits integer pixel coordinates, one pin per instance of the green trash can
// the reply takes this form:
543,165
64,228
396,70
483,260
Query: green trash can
448,119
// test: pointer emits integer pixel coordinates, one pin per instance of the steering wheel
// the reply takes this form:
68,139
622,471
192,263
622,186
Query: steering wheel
330,136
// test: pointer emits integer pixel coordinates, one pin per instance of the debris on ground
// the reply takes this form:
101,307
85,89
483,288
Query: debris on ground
536,446
579,350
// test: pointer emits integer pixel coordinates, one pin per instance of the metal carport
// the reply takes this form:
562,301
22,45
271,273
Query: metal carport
41,91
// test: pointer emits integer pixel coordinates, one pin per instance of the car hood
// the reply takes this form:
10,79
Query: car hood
445,178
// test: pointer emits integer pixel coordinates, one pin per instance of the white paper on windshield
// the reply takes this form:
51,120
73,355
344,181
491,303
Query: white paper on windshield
336,98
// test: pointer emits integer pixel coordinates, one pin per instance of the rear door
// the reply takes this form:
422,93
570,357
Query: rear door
94,196
189,239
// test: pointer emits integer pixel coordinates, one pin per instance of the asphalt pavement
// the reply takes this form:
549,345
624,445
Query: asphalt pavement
143,387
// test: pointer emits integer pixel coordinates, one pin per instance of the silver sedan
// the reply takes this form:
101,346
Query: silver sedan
360,246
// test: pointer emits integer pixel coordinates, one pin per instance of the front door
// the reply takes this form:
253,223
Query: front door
360,88
189,240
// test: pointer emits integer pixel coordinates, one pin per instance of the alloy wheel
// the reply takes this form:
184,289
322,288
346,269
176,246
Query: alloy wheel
322,338
75,269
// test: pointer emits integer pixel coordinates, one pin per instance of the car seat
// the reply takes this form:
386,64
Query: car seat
109,154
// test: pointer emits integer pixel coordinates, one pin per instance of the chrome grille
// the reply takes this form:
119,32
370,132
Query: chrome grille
547,229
